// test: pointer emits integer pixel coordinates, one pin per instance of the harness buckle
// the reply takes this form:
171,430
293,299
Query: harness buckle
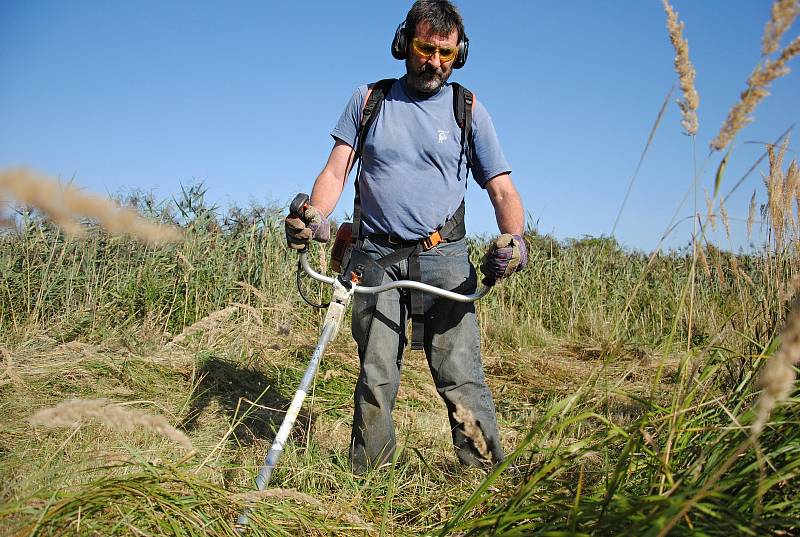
432,240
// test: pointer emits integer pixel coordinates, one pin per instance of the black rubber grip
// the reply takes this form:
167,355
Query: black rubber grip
298,205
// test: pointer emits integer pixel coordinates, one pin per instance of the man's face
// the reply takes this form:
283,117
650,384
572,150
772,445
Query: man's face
426,74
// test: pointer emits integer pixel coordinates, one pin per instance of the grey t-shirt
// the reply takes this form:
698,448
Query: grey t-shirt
413,171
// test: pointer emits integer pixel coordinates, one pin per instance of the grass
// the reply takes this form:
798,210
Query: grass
611,423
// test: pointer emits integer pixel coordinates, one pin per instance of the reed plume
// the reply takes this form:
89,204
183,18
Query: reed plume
723,212
711,216
783,15
763,75
64,205
70,414
751,215
685,70
472,430
778,375
776,183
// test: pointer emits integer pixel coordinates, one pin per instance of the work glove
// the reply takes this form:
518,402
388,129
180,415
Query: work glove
506,255
300,231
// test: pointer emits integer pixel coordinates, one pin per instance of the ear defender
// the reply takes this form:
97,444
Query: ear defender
400,43
400,47
463,50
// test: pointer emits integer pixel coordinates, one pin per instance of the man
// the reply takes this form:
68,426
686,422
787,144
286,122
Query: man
412,183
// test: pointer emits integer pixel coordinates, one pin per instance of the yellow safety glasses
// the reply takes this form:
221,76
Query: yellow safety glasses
423,48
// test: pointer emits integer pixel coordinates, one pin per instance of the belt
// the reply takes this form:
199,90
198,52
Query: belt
427,242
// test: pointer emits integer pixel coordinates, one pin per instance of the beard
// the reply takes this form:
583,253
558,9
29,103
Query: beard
427,79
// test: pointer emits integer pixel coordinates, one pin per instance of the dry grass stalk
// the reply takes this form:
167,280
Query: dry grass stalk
282,494
305,499
790,195
717,256
472,430
778,376
64,205
751,215
258,294
740,114
783,14
701,256
183,259
746,277
735,270
70,414
206,323
685,70
254,314
789,289
323,261
10,375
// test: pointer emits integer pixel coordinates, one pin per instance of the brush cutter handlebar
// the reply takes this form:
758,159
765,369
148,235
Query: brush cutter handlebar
404,284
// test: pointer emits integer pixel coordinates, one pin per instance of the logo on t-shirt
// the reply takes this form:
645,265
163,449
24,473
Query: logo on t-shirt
442,135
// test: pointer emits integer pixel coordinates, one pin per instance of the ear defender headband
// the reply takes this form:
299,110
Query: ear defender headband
400,46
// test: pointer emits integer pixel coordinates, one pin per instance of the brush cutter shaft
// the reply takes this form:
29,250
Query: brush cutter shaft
330,328
407,284
276,450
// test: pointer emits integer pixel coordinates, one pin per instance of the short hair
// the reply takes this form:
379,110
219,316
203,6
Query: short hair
442,16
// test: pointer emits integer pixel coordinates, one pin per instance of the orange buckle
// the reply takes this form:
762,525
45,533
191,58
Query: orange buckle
434,239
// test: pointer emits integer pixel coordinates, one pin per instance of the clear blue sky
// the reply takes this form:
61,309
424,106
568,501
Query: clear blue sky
243,95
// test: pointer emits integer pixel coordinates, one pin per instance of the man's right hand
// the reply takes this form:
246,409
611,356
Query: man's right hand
300,231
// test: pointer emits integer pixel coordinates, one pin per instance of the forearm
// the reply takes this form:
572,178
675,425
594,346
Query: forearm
330,182
508,210
326,192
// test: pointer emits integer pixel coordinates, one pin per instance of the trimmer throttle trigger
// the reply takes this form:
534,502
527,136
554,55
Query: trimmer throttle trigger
299,205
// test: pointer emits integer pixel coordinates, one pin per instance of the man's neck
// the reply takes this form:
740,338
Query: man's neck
418,95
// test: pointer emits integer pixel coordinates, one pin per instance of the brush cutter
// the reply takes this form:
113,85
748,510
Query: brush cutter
344,286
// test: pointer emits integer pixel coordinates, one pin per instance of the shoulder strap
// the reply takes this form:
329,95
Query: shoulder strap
463,104
376,94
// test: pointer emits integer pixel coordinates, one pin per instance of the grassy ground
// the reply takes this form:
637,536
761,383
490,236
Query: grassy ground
613,423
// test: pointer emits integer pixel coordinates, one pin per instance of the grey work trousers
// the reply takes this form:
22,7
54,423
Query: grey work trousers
451,344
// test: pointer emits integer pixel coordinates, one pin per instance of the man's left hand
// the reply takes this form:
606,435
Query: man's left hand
506,255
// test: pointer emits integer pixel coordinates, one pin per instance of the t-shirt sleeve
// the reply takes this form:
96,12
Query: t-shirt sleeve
346,128
488,159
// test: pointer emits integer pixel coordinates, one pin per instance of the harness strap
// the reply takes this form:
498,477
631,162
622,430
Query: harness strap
452,230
